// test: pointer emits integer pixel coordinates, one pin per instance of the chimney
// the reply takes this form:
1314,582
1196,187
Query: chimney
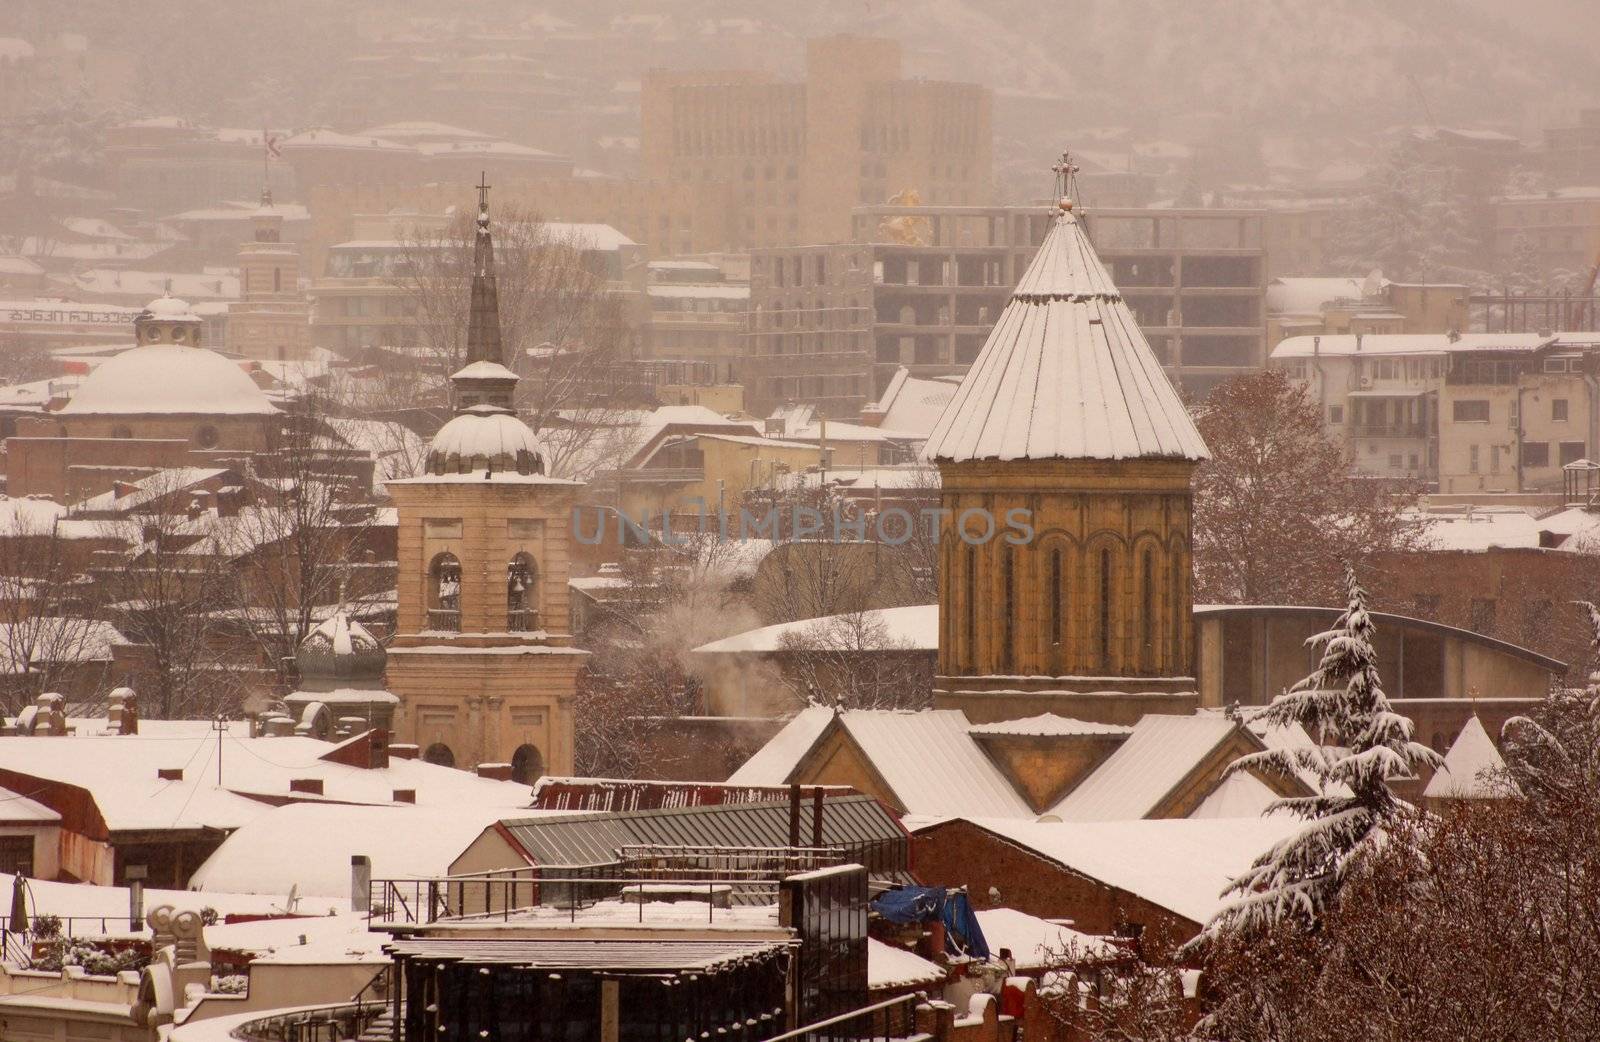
402,751
312,786
169,773
360,883
495,771
405,795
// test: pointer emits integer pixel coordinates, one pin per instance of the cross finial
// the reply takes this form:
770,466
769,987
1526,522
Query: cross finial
1066,180
483,191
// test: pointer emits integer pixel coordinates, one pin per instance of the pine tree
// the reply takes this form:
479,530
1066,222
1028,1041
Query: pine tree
1362,745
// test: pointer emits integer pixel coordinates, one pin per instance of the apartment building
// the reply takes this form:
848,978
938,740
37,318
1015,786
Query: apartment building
1319,305
1561,226
798,155
697,313
362,298
1479,412
920,287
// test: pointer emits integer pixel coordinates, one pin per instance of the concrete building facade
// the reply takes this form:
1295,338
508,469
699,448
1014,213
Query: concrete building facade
798,156
920,287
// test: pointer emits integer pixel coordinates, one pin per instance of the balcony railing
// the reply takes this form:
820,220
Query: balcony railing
445,619
321,1024
522,620
1389,430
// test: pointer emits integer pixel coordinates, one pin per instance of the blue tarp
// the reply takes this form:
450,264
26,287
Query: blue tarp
921,904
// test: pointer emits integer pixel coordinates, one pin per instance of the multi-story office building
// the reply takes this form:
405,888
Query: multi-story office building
798,156
1479,412
920,287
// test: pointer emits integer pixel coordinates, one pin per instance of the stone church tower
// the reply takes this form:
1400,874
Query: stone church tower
1067,421
482,661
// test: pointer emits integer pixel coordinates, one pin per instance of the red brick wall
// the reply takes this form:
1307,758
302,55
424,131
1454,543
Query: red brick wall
959,853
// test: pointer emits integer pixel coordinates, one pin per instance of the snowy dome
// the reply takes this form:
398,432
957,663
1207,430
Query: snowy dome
169,379
341,650
486,437
171,309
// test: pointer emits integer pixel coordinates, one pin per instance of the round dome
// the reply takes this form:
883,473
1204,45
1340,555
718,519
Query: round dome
485,437
340,653
168,378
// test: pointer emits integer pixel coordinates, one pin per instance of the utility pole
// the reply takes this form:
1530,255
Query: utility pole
220,726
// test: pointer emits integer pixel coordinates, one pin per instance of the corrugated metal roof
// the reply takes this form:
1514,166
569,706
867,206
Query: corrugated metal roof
1066,373
1148,765
653,955
860,825
932,764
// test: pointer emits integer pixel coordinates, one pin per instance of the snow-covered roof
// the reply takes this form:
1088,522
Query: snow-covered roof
915,627
1481,528
1306,294
891,967
1473,768
774,763
1181,864
168,379
402,841
586,236
303,940
1556,195
913,404
1066,373
20,515
1406,344
89,900
120,773
17,809
1049,724
1035,943
931,764
146,490
482,437
1145,768
718,290
1241,795
55,638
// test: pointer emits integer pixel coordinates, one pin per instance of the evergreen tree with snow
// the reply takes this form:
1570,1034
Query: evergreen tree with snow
1362,746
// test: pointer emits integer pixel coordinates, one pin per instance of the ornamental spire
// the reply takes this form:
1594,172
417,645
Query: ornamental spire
484,381
483,323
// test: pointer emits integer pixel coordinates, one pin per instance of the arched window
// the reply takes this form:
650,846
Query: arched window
522,594
527,765
1176,608
444,593
1057,598
1107,582
971,607
439,753
1008,616
1148,623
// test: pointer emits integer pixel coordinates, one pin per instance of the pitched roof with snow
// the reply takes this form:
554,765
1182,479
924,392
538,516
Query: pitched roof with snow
1146,767
912,628
1066,372
891,967
1181,864
1472,769
1048,724
931,764
774,762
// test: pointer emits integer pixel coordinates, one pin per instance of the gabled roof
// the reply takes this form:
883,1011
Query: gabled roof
932,765
1066,373
1133,781
1181,864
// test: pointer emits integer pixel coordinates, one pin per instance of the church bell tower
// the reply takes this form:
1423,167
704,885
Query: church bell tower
483,662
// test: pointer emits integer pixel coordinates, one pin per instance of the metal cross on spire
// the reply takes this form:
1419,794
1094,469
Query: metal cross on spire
483,191
1066,172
